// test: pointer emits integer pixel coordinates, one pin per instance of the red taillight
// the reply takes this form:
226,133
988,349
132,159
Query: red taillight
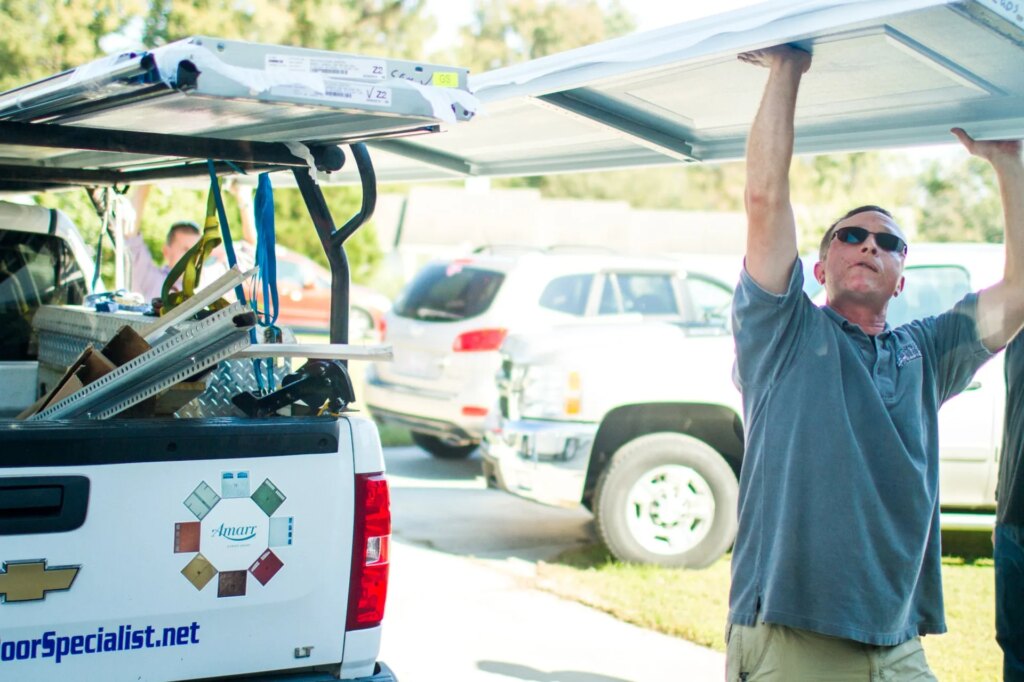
371,539
480,339
383,328
474,411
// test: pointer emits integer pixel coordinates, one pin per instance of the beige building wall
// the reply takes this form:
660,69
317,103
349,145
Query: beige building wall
439,221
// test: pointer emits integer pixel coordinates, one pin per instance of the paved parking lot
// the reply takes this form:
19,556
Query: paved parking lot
461,604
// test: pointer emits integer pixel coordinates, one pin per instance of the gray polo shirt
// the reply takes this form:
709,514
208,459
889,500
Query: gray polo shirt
839,500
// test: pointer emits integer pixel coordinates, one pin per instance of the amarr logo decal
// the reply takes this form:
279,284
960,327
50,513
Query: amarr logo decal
234,533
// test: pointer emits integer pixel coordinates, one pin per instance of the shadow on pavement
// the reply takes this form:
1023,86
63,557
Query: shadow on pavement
446,505
524,672
412,462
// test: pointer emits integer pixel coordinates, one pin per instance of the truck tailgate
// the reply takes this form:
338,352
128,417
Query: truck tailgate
163,550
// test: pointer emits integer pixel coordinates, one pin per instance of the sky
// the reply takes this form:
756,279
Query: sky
649,14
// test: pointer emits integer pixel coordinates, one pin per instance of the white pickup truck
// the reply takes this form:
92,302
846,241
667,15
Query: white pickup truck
248,546
174,549
654,441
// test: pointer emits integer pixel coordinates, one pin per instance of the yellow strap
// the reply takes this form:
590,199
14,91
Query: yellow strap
190,267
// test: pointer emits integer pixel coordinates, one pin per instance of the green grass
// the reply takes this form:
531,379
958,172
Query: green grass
968,652
393,436
693,604
687,604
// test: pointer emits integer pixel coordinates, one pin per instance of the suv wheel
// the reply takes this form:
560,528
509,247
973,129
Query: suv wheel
667,498
438,448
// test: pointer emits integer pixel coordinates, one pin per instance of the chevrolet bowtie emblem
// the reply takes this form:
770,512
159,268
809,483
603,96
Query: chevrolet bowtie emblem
31,580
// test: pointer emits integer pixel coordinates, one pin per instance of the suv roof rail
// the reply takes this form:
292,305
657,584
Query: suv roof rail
551,248
578,248
505,248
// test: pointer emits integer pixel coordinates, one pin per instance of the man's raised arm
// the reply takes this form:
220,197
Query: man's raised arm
771,229
1001,306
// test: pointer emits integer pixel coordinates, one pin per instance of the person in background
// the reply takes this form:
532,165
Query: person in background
836,566
1009,532
148,277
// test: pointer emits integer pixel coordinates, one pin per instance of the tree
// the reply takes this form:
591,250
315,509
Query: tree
393,28
960,203
68,33
823,188
63,34
505,32
296,231
681,187
826,186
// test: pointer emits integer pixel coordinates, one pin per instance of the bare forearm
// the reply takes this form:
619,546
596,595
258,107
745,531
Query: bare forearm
770,145
1001,307
1011,187
771,230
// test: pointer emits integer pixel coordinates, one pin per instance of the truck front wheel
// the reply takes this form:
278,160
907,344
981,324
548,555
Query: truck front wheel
667,498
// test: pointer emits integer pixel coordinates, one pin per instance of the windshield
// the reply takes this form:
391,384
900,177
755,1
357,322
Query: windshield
929,290
448,293
35,270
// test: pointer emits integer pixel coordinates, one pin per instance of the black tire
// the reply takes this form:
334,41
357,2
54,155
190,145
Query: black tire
659,533
438,448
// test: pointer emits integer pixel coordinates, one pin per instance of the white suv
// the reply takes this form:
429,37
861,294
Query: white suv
447,325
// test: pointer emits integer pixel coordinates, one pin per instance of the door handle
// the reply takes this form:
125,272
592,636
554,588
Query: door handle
42,504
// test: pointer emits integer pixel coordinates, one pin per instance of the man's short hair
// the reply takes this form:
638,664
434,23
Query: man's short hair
182,227
827,239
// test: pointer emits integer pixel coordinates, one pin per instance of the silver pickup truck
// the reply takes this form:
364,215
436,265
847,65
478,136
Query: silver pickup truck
654,444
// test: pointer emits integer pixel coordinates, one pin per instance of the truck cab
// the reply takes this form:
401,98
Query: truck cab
43,261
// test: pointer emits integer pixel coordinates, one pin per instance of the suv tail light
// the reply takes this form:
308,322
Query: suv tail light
479,340
371,540
383,329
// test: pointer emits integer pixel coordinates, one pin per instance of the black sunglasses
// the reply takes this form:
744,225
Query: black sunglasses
858,235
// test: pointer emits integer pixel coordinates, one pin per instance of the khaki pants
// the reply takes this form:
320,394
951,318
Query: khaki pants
770,653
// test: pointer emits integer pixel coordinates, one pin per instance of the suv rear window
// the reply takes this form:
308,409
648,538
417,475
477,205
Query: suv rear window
31,266
567,294
448,293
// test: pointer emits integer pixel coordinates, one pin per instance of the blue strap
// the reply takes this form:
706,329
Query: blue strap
229,249
266,259
225,232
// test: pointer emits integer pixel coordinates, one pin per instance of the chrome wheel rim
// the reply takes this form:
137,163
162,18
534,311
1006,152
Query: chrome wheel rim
670,509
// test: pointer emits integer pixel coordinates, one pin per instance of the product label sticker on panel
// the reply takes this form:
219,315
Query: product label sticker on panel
342,67
445,79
